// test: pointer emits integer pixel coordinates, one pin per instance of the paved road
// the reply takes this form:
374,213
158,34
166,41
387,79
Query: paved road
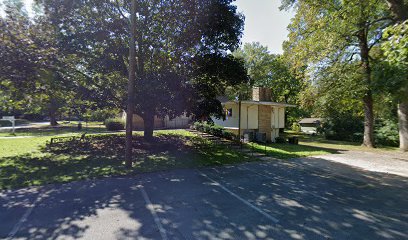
263,200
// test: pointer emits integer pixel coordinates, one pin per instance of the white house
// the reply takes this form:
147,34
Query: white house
256,116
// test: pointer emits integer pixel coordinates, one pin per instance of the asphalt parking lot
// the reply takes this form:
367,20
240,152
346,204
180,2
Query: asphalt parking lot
262,200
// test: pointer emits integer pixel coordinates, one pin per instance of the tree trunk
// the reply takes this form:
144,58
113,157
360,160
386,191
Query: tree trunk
131,87
368,140
403,125
53,112
148,119
399,9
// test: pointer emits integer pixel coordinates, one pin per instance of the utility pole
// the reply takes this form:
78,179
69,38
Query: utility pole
131,86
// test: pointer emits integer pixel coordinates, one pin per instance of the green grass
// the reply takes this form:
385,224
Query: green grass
26,161
287,151
311,145
320,142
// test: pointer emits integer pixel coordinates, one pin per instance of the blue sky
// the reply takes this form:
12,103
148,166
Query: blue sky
264,23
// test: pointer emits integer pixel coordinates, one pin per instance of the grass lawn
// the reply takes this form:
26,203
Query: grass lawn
320,142
286,151
311,145
27,161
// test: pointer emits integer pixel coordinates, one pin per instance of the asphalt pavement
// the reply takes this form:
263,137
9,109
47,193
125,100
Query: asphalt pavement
262,200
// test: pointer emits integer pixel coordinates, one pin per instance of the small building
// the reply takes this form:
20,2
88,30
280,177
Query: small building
178,122
310,125
256,117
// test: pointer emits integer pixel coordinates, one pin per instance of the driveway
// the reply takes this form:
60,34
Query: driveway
262,200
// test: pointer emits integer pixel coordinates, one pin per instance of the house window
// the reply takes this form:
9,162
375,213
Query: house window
229,112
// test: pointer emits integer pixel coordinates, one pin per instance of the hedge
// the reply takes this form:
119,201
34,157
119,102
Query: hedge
213,129
114,124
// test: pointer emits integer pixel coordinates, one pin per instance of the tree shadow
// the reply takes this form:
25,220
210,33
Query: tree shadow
308,203
103,155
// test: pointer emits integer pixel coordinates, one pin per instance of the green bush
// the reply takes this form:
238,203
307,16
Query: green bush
114,124
295,127
280,140
344,127
386,133
102,114
213,129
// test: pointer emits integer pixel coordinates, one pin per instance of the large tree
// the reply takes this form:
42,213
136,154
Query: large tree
396,54
33,70
331,36
171,38
270,71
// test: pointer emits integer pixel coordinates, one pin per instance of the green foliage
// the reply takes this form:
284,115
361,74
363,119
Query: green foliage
334,40
386,133
396,46
280,140
101,115
182,51
343,126
392,72
114,124
271,71
295,127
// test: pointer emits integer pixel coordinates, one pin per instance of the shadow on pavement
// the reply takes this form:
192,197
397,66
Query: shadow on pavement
310,203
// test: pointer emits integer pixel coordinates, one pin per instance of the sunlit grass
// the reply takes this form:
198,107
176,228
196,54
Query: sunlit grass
286,151
26,161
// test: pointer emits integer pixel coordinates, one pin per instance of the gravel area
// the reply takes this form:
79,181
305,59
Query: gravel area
385,162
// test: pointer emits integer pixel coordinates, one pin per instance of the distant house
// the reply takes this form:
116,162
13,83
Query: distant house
310,125
258,118
178,122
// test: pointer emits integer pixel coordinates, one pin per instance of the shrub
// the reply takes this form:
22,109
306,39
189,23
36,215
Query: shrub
213,129
280,140
345,128
229,135
386,133
114,124
296,127
102,114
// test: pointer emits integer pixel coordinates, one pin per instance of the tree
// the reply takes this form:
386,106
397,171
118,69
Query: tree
394,71
172,36
271,71
396,54
131,86
34,71
330,35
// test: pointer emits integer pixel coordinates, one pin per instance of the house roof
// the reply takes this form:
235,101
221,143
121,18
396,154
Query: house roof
261,103
311,120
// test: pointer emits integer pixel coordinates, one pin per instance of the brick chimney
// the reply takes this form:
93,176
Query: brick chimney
264,112
261,94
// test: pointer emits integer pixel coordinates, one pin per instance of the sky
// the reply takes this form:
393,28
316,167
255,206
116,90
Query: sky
264,23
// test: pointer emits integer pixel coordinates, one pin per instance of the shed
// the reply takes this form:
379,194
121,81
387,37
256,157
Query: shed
310,125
